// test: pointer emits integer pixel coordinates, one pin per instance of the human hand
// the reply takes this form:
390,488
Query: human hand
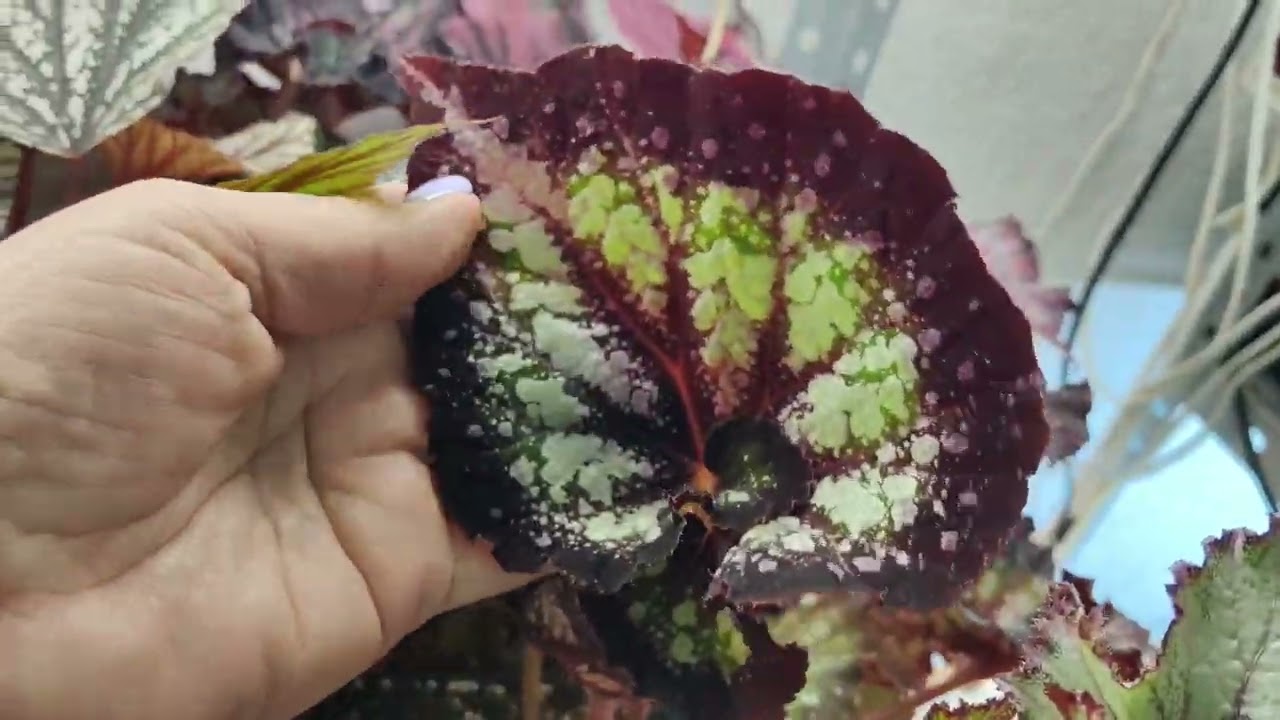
212,503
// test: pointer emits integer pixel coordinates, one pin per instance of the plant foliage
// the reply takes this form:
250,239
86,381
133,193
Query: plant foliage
724,362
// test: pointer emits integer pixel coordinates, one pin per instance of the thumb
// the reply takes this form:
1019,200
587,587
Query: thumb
316,265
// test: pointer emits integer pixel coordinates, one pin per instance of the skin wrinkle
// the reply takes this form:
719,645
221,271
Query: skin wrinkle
286,584
279,541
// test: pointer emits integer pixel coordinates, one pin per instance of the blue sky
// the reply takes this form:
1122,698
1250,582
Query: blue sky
1165,517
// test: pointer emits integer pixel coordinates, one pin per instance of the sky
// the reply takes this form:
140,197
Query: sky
1164,517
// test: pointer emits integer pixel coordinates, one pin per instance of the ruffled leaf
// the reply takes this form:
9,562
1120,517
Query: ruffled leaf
994,709
725,297
1012,259
337,37
351,170
75,81
1068,412
1219,658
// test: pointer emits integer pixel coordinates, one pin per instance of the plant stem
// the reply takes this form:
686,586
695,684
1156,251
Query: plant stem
715,36
22,192
531,683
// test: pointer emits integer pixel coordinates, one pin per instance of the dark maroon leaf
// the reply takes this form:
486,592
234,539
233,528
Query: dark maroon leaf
655,643
727,297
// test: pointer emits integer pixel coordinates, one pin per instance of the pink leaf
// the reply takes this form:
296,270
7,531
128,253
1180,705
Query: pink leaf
515,33
655,28
1067,410
1011,258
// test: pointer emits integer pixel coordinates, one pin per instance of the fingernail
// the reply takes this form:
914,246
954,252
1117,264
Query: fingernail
441,186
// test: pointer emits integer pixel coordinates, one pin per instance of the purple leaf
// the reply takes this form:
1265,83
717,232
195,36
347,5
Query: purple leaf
731,299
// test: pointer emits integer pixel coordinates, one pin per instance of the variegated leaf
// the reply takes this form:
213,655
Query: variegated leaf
85,70
727,297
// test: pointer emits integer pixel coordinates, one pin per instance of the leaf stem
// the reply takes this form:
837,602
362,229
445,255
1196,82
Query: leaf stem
715,35
22,192
531,683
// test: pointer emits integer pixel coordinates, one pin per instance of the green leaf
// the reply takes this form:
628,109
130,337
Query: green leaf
351,170
1221,656
80,72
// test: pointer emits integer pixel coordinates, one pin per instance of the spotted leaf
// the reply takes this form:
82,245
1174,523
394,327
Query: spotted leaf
743,302
656,641
82,72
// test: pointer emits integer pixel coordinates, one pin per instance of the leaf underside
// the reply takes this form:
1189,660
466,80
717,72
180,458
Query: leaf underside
728,297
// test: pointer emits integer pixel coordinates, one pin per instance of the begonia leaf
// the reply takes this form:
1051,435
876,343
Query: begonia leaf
731,298
653,643
871,660
81,72
271,144
145,150
1219,659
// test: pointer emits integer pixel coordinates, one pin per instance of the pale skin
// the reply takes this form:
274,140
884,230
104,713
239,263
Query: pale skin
213,498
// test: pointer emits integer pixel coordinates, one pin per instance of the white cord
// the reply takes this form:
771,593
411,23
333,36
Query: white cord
1253,165
1204,377
1127,104
1212,198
